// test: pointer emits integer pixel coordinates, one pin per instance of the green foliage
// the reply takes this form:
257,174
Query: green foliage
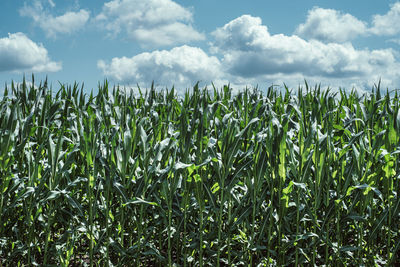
208,178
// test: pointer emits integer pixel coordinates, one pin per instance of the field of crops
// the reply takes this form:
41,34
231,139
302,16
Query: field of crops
209,178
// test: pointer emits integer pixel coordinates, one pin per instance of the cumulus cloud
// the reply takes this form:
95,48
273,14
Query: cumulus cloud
250,51
245,53
329,25
181,66
387,24
67,23
19,53
151,22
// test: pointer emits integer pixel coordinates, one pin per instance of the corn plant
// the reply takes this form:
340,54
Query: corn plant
259,178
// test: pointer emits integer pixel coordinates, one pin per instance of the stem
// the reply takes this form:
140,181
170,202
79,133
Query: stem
122,222
90,222
1,206
316,201
185,204
201,239
169,230
229,234
220,223
280,221
253,225
200,199
107,217
297,226
389,236
140,233
270,224
46,246
327,245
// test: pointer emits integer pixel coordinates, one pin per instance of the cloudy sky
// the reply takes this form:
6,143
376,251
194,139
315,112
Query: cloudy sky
336,43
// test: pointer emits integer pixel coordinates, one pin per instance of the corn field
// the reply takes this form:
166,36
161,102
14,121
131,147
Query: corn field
304,177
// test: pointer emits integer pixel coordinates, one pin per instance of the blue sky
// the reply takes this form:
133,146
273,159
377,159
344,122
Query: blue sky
349,44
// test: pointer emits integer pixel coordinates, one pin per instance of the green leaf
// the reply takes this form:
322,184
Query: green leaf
138,200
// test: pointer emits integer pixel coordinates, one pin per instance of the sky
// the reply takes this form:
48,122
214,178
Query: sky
346,44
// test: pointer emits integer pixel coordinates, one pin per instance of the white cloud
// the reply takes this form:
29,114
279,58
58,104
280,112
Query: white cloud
250,55
151,22
242,34
181,66
249,51
67,23
387,24
329,25
395,41
19,53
